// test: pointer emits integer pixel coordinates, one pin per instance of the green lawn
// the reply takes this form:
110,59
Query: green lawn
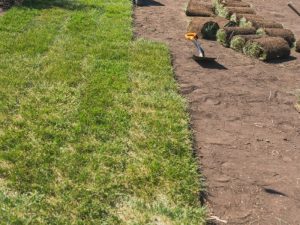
92,128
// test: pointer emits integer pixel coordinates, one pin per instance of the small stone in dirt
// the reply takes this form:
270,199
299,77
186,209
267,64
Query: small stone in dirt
223,179
286,159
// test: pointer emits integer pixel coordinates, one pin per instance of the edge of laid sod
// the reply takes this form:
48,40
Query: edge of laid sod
158,106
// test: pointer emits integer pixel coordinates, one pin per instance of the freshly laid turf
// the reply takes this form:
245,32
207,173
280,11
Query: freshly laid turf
92,129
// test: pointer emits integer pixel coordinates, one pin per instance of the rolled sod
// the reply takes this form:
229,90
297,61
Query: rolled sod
236,17
233,3
199,8
257,22
227,12
225,35
238,42
207,27
297,46
267,48
286,34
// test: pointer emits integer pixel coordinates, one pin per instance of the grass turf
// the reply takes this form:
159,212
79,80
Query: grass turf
237,43
222,37
92,128
254,50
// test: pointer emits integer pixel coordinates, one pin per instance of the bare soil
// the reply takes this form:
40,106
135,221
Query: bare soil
246,129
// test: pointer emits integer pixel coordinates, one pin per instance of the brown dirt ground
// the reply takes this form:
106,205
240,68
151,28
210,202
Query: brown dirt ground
246,129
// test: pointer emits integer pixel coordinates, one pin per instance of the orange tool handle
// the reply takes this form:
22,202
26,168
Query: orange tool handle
191,36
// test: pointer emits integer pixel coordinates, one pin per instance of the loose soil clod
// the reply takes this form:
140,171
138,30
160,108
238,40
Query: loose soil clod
286,34
207,27
225,35
238,42
267,48
199,8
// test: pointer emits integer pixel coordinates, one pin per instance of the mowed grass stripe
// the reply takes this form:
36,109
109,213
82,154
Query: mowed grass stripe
161,172
92,129
66,151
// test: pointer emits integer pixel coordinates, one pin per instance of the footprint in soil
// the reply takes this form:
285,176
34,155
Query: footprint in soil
211,101
189,89
208,100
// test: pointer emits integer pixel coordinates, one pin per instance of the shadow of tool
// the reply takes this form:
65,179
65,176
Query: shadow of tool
148,3
211,65
278,61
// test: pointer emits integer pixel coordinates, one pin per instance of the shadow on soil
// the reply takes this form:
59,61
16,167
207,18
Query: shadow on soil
278,61
65,4
149,3
211,65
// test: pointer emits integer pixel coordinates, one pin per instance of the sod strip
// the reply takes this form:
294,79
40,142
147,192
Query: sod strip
161,142
199,8
286,34
225,35
238,42
297,45
207,27
92,129
267,48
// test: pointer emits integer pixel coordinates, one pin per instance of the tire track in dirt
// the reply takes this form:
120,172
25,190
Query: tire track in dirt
246,129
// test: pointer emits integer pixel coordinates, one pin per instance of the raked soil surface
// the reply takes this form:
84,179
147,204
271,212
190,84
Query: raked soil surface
246,129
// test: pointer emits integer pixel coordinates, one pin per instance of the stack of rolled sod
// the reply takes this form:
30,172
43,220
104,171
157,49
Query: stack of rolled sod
267,48
238,42
207,27
199,8
279,32
225,35
298,46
